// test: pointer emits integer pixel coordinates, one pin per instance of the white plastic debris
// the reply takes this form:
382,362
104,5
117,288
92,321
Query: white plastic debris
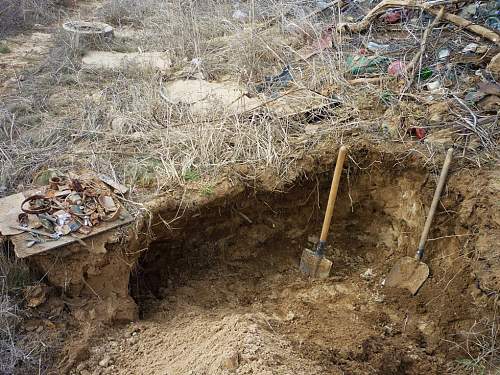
433,86
368,274
470,48
376,47
443,53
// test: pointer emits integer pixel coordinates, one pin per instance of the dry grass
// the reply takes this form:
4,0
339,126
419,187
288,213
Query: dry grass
481,346
14,275
17,15
159,141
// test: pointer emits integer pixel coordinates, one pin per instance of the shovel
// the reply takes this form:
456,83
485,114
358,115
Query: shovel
410,273
314,263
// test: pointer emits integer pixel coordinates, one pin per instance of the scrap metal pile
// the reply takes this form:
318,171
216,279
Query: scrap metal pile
67,206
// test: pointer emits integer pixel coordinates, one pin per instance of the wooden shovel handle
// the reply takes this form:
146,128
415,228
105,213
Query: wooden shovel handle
333,193
435,201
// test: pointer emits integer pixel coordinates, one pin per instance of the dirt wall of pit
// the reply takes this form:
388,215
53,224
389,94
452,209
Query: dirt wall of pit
383,201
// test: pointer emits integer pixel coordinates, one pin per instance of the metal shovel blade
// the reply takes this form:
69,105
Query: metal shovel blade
408,273
314,265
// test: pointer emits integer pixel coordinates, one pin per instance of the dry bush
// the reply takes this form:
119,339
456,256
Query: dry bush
481,346
14,275
127,12
16,15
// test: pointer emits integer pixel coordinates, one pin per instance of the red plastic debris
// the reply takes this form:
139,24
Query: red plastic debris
392,16
396,68
420,133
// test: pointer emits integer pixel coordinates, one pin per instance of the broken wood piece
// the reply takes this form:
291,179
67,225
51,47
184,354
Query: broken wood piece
426,6
119,188
466,24
10,208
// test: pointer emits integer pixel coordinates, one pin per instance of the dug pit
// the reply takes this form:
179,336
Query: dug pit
219,290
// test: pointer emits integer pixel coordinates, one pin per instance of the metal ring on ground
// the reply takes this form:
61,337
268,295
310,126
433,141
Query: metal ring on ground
38,210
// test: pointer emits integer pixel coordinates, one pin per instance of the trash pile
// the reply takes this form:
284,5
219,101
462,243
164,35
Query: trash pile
433,53
70,205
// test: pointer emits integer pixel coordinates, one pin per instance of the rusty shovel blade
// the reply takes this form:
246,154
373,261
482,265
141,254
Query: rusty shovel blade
408,273
314,265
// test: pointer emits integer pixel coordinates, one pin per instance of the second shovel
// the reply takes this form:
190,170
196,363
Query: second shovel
411,273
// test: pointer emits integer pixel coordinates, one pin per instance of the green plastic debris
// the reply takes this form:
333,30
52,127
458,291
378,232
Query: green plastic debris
360,64
43,177
426,73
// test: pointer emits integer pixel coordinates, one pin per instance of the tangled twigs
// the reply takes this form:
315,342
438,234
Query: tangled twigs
426,6
423,44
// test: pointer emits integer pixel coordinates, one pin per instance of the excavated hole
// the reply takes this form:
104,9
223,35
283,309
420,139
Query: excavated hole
258,236
241,257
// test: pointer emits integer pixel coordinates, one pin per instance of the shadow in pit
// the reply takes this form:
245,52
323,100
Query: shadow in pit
266,232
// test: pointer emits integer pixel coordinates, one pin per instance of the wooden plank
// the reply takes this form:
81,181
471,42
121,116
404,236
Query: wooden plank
10,208
20,241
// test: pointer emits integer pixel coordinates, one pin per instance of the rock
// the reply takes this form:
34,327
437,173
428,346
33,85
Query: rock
232,361
81,366
442,137
133,340
438,112
36,295
290,316
433,86
106,361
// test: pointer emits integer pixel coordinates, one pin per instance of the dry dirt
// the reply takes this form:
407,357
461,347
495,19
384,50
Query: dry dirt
220,292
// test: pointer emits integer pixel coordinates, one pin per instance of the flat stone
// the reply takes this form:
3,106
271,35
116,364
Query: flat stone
105,60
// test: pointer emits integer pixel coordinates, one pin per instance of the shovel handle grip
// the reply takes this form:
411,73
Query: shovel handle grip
333,194
435,201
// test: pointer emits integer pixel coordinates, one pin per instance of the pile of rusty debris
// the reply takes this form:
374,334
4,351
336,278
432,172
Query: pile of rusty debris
68,209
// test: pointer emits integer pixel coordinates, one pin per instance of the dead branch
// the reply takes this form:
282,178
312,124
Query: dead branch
423,44
427,6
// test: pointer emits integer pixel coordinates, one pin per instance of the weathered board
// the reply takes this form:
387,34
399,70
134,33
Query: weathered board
20,241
